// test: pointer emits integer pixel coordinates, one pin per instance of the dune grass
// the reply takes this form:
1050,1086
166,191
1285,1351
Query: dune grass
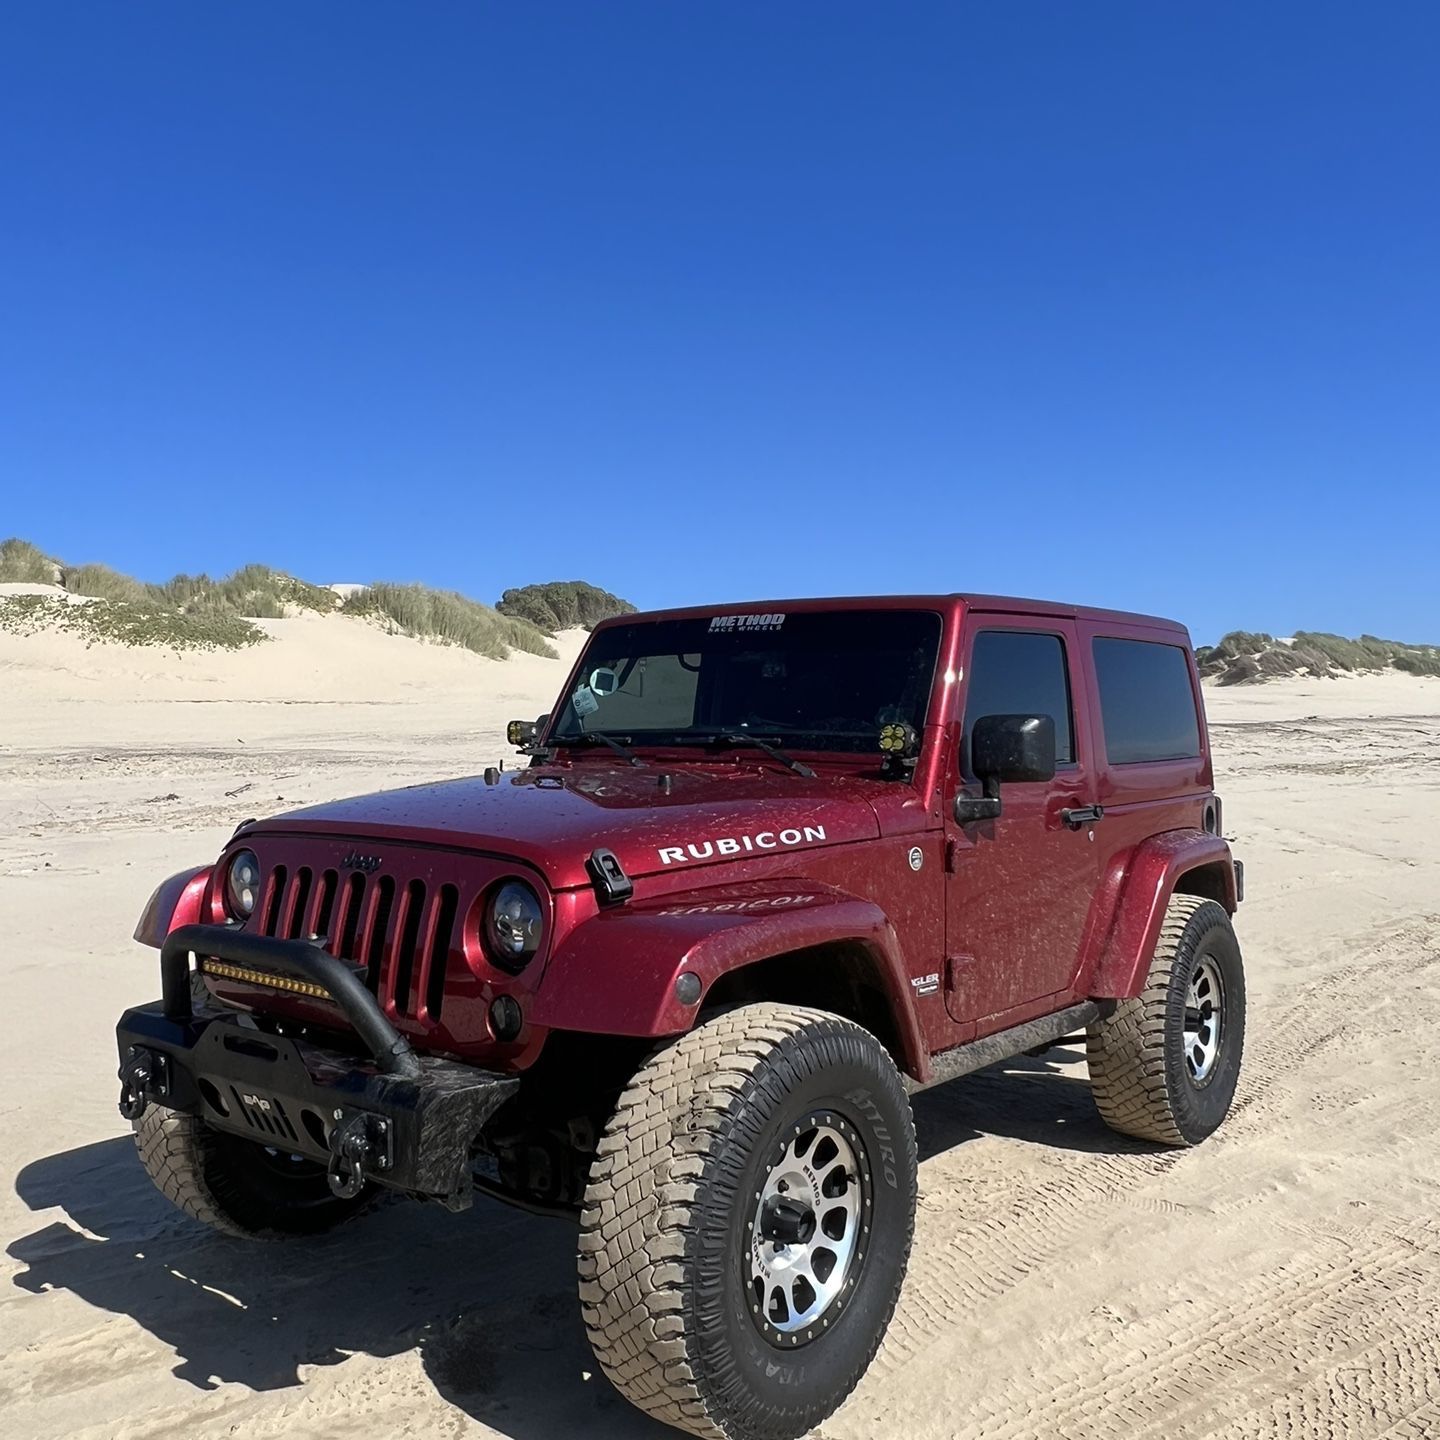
22,563
449,617
190,611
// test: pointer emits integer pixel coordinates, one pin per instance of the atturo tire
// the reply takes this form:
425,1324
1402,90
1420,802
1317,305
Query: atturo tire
1164,1065
747,1223
232,1185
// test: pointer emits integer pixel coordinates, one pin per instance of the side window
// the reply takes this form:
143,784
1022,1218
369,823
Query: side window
1146,701
1020,672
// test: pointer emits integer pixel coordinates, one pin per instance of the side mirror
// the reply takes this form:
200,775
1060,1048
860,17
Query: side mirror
522,734
1010,749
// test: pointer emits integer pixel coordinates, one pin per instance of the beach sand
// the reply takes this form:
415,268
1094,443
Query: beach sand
1280,1280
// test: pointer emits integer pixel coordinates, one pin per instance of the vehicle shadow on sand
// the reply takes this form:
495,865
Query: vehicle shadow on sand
1040,1100
486,1298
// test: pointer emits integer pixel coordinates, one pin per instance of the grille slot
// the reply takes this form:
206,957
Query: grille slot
274,894
447,906
324,906
379,929
402,962
295,903
352,899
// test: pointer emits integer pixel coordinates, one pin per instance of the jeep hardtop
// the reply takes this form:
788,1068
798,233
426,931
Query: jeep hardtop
769,868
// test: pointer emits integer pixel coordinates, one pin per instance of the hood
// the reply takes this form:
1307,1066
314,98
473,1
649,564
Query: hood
552,817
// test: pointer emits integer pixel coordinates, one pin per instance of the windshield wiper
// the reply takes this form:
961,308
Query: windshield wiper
744,737
599,737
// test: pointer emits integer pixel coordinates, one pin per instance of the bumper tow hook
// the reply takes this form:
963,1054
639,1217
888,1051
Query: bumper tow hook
359,1146
142,1075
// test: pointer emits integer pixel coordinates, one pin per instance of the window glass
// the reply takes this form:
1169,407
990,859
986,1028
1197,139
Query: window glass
1146,701
1020,672
821,680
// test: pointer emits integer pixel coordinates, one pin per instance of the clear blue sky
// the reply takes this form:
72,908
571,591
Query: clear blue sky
1129,303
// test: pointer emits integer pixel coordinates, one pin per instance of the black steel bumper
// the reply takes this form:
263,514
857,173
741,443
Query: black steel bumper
405,1121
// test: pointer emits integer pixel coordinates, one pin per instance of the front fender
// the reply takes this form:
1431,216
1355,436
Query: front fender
176,901
616,973
1150,879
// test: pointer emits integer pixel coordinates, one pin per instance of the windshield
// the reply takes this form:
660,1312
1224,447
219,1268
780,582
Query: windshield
813,681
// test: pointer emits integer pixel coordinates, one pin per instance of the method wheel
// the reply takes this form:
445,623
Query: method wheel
748,1221
1164,1065
233,1185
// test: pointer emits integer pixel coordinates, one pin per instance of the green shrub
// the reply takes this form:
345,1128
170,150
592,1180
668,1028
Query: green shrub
25,564
562,605
446,616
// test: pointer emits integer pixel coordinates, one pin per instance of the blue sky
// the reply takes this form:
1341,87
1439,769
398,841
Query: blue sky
1125,303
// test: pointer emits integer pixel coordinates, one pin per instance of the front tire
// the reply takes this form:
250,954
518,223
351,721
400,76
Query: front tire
235,1186
1164,1065
748,1221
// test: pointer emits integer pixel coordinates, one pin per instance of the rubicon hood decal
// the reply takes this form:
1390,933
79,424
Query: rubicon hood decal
788,838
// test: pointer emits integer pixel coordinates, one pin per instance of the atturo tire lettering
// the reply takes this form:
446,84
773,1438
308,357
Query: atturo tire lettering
864,1102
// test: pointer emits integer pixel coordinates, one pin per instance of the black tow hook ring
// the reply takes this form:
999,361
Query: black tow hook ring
143,1074
359,1145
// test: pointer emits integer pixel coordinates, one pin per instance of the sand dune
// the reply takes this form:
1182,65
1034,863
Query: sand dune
1280,1280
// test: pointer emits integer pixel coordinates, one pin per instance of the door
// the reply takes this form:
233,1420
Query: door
1019,887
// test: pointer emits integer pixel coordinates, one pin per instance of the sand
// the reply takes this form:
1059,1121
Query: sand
1280,1280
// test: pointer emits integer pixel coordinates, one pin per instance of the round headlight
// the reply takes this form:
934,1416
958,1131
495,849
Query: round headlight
242,884
514,923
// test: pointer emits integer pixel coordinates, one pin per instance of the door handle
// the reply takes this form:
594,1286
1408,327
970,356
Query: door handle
1082,815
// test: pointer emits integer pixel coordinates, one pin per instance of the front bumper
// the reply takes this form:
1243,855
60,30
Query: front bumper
404,1121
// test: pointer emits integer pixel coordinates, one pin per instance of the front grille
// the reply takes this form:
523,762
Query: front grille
400,935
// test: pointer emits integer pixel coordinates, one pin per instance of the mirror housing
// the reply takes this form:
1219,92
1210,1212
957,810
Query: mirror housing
1008,749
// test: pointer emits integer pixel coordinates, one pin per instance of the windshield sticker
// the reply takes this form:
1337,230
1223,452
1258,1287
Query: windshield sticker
584,701
746,623
740,844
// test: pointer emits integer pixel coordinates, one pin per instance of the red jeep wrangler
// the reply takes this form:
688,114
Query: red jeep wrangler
770,869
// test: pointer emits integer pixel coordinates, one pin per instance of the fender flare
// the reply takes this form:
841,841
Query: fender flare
616,972
176,901
1148,880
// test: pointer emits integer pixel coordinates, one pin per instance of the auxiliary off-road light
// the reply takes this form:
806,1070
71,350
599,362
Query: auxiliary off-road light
242,884
897,739
514,925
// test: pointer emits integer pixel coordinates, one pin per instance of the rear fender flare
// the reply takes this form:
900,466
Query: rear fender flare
1145,882
616,973
177,901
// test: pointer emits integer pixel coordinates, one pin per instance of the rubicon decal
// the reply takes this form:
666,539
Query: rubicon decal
787,839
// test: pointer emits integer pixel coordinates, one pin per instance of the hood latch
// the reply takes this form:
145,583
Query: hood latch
612,884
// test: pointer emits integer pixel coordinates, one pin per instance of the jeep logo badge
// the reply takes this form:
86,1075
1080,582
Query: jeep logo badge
356,861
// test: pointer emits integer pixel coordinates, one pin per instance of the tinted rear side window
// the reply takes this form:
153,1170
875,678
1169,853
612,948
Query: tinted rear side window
1146,701
1020,672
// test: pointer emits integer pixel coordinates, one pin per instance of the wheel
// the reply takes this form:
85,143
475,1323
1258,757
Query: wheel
233,1185
1163,1066
747,1223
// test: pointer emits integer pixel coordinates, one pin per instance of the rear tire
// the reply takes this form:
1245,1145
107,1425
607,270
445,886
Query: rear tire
747,1223
1164,1065
233,1185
